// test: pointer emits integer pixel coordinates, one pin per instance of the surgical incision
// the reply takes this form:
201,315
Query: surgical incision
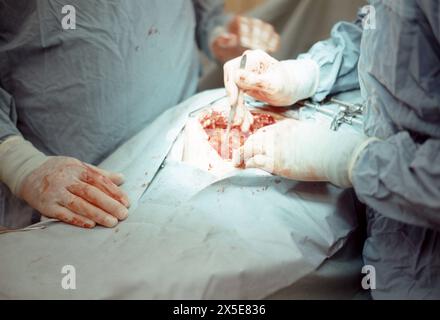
215,125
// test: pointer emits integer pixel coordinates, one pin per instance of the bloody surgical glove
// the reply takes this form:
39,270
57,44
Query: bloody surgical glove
61,187
267,79
256,61
304,151
241,34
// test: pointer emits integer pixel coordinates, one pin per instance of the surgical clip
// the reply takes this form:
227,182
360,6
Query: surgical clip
347,114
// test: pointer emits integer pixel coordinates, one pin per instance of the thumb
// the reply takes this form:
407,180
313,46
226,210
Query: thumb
227,40
248,80
253,147
261,162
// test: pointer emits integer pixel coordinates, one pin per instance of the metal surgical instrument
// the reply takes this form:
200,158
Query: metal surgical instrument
234,106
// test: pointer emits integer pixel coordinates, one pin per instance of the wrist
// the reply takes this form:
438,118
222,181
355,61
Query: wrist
336,152
18,158
303,78
356,155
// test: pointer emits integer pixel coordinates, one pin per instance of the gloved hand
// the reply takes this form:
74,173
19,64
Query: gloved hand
61,187
256,61
267,79
243,33
304,151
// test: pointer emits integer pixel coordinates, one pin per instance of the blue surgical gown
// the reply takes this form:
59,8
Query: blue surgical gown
82,92
392,53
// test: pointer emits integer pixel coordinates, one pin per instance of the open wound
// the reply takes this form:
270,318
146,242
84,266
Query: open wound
215,125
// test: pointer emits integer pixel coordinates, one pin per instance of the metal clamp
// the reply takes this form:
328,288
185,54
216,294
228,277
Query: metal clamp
347,113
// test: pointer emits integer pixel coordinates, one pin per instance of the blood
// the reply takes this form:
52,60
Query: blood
103,183
79,222
215,125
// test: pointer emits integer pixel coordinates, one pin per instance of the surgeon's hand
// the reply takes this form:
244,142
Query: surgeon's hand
76,193
304,151
241,34
256,62
278,83
61,187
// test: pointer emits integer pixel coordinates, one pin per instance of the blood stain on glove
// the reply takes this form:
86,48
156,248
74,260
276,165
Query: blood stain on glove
215,125
103,183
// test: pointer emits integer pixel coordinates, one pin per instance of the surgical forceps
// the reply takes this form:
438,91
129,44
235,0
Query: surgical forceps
348,113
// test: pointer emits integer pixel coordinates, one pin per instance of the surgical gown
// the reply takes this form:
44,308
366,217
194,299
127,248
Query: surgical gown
82,92
392,53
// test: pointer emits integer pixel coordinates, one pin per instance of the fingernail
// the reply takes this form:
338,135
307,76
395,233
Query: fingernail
89,225
111,221
123,214
117,178
126,202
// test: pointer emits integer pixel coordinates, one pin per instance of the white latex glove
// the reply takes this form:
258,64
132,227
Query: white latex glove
267,79
256,62
304,151
61,187
241,34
